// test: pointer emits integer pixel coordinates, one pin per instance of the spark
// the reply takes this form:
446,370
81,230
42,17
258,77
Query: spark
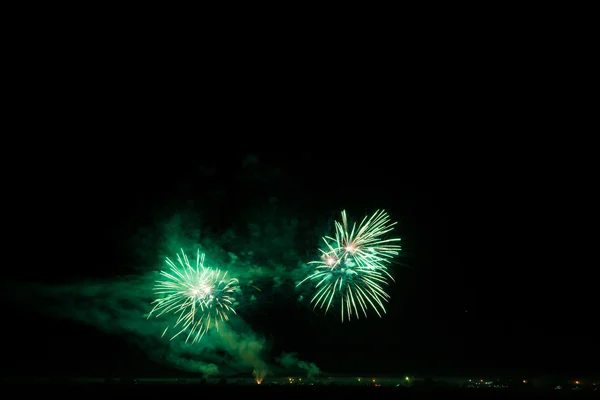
353,267
199,296
366,242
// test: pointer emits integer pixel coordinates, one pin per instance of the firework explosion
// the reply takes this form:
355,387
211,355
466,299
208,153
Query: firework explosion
353,266
199,296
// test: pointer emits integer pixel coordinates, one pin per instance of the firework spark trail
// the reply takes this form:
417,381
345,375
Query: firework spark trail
198,295
365,243
353,267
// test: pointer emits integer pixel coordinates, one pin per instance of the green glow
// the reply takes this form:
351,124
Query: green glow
353,267
199,296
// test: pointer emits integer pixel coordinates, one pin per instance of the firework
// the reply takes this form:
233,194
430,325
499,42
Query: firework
259,375
366,244
199,296
353,267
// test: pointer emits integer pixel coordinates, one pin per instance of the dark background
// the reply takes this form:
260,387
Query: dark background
464,148
472,296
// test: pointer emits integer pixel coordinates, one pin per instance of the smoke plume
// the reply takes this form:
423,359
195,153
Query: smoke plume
120,305
291,361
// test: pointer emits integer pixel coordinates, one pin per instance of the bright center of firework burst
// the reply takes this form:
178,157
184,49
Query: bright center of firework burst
330,260
350,249
200,292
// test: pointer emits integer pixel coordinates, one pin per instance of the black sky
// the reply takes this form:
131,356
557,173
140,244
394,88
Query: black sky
464,138
469,298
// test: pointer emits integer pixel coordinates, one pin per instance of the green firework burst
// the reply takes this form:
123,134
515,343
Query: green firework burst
198,296
353,267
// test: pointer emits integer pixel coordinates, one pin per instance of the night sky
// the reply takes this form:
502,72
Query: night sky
472,293
118,150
